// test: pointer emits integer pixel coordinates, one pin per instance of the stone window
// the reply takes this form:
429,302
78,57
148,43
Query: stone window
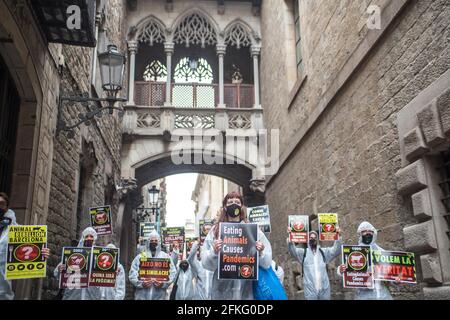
298,37
155,71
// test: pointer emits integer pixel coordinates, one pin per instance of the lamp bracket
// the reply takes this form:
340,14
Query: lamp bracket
97,109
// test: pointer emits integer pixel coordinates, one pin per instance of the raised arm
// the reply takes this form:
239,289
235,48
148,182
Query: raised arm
265,258
208,255
295,252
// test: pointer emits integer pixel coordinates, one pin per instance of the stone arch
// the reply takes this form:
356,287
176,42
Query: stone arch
150,30
208,34
238,30
161,165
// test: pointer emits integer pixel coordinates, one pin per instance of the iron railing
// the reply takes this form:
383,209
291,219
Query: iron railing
193,95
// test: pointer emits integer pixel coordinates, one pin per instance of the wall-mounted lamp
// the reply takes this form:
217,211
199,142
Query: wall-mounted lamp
112,65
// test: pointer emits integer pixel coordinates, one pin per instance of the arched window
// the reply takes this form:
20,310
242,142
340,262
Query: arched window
193,70
155,71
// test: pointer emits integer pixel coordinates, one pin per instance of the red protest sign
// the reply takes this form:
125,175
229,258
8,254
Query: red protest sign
76,274
154,268
104,265
359,273
393,265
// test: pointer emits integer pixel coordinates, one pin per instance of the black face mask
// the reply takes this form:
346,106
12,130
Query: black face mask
234,210
88,243
2,213
4,222
313,242
367,238
184,266
153,246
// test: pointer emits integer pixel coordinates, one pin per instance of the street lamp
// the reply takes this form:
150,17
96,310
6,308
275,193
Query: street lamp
112,64
154,195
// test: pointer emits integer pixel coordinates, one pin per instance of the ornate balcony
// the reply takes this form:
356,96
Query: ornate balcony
193,95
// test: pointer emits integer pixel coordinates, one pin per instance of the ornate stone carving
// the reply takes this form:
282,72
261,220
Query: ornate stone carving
195,29
240,121
237,36
196,121
149,120
258,185
151,33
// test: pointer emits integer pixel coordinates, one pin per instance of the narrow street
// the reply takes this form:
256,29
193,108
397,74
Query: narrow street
224,150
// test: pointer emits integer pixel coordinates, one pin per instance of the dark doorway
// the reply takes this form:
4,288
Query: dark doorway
9,116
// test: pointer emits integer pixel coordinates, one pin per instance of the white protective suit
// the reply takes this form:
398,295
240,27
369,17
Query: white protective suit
191,283
117,293
278,271
231,289
380,292
6,292
151,293
316,284
91,293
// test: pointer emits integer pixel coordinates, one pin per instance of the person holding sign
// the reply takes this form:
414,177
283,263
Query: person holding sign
88,238
118,292
150,288
231,289
314,260
190,280
367,235
8,218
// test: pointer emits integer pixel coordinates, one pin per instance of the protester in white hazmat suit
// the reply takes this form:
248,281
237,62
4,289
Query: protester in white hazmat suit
88,238
234,212
8,218
367,235
316,284
191,277
151,289
118,292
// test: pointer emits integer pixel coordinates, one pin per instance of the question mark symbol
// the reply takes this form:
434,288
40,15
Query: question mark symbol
105,260
27,251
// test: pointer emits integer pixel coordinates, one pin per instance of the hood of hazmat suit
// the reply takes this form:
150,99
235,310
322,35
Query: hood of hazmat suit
231,289
191,283
91,293
118,292
6,292
316,284
152,292
380,292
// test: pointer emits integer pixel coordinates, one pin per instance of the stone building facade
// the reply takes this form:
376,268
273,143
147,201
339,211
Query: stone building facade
56,179
363,126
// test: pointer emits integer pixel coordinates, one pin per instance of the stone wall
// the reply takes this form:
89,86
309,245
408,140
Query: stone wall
339,145
96,147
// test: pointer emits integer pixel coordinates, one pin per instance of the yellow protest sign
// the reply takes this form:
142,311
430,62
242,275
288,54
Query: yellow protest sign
24,255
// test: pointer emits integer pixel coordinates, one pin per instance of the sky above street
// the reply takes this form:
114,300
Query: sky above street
179,204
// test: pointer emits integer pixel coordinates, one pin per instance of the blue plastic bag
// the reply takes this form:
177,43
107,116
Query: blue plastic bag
268,286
